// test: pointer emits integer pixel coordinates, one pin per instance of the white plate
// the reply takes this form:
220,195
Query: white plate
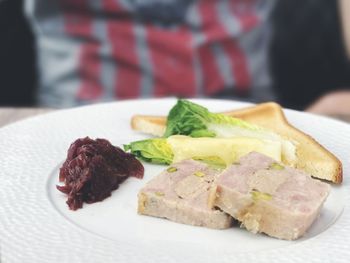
37,226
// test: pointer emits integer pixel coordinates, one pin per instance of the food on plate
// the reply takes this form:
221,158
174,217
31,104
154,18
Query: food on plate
156,150
180,194
218,151
268,197
188,118
93,169
263,121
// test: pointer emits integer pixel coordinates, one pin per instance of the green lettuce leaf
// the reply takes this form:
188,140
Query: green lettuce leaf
188,118
156,151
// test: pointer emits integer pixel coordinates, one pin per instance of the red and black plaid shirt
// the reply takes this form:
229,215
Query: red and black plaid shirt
92,50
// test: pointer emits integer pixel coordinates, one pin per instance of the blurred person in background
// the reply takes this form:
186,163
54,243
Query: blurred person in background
91,51
256,50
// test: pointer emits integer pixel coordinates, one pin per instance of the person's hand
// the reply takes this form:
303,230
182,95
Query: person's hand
333,103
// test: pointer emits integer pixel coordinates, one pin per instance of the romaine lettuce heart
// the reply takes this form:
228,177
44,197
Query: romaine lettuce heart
188,118
217,151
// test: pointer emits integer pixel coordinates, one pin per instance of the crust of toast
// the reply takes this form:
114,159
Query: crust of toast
312,157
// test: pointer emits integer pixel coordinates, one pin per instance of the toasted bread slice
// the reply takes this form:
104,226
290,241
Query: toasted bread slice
312,157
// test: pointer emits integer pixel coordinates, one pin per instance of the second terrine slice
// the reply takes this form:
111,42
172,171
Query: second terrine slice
267,197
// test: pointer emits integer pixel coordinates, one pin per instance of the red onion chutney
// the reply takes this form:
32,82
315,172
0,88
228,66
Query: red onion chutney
93,169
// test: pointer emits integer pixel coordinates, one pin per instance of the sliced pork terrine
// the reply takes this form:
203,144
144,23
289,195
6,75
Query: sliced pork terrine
181,193
267,197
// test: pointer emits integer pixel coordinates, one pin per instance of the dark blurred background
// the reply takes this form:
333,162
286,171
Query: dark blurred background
308,55
18,76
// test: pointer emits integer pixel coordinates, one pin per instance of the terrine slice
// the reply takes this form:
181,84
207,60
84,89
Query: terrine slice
180,194
267,197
